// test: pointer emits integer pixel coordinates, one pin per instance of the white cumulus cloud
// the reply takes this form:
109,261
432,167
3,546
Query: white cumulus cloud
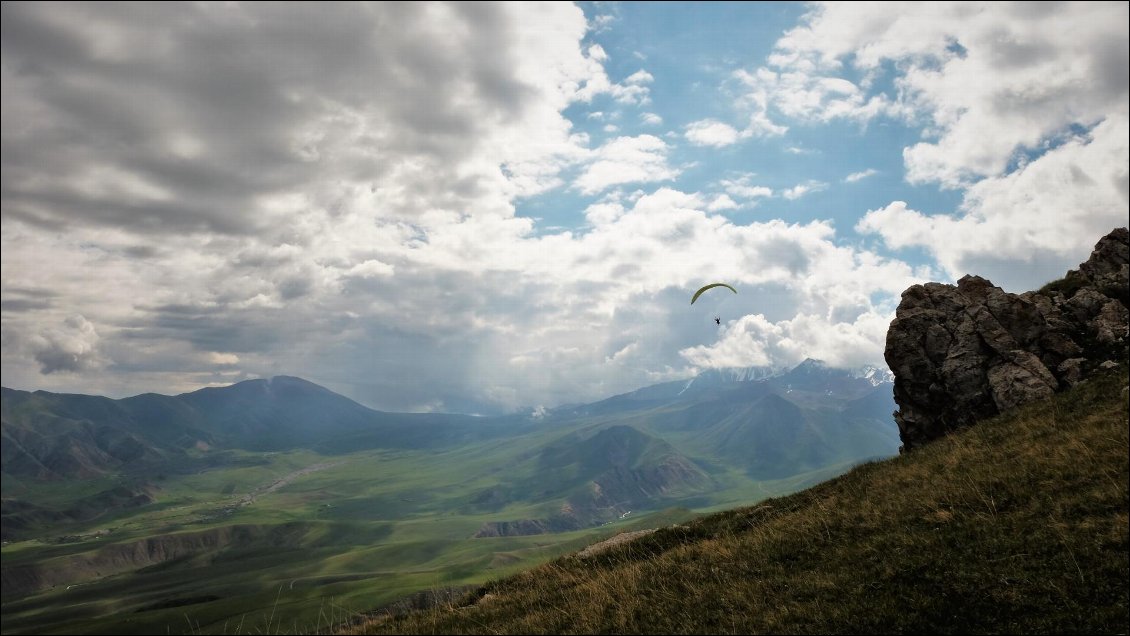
71,347
710,132
639,159
1023,109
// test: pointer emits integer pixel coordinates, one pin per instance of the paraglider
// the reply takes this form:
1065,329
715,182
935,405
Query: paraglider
718,320
710,286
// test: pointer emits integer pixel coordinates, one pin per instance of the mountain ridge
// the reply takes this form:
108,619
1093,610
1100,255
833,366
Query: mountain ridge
281,412
167,495
721,424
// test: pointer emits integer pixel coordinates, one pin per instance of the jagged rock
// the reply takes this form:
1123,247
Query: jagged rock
1109,265
1023,380
1071,370
966,352
1110,324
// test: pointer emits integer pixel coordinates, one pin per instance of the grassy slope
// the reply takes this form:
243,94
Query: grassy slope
1017,525
370,528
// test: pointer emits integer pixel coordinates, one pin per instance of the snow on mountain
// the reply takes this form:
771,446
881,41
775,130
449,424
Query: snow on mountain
874,375
809,367
714,377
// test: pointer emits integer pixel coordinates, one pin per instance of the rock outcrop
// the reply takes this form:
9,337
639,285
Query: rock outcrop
967,352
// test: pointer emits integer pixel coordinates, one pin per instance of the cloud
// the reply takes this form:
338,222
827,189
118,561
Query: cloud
639,77
778,95
479,314
217,206
18,299
722,202
760,125
596,53
1046,215
136,130
742,187
474,313
601,23
210,183
1024,112
371,268
710,132
802,189
223,359
604,212
651,119
754,341
990,84
640,159
71,348
861,175
633,89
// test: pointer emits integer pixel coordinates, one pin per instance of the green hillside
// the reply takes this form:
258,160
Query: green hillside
280,505
1016,525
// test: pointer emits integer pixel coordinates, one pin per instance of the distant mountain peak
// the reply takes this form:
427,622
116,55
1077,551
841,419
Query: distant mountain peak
290,379
727,375
810,365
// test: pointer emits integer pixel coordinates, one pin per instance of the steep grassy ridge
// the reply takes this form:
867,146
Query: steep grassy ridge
1017,525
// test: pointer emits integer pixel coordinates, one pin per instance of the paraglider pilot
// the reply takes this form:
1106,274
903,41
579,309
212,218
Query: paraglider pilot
717,319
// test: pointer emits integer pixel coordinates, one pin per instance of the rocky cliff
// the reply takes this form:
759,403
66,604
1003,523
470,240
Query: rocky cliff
966,352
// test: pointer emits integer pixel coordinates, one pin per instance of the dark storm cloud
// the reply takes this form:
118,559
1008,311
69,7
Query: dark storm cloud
55,359
141,251
294,287
169,117
69,347
188,166
21,299
211,328
1111,66
23,304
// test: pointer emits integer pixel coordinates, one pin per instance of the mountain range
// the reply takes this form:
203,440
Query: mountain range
153,495
746,414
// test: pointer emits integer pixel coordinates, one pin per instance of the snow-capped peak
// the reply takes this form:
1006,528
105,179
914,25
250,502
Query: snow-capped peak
874,375
728,375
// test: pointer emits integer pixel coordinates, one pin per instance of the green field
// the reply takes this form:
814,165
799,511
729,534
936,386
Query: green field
296,541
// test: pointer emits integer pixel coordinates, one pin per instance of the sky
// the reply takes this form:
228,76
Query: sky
487,208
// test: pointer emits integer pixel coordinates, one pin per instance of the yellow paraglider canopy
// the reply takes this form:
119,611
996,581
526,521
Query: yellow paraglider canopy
710,286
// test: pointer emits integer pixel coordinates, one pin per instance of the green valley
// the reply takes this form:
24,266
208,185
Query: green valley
277,506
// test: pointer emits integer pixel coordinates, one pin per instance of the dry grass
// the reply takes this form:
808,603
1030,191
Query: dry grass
1017,525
